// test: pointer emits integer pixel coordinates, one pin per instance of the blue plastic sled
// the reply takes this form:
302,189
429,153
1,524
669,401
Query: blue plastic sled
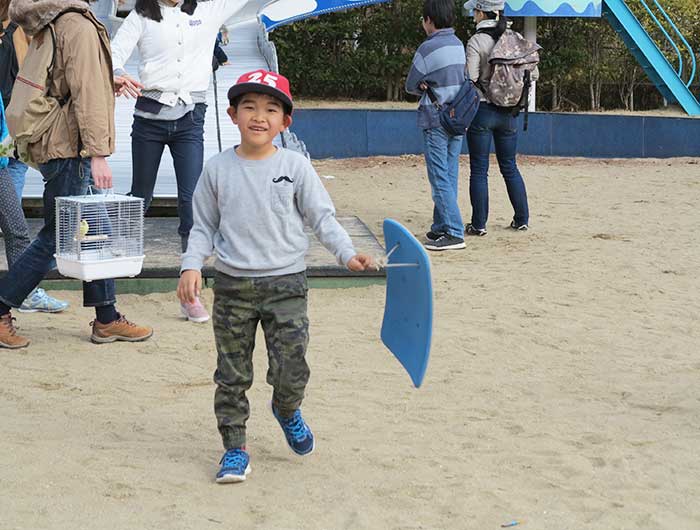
408,314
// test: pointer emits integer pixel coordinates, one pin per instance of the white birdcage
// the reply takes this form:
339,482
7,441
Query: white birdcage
99,236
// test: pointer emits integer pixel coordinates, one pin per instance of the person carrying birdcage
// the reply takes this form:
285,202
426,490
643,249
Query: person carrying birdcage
70,148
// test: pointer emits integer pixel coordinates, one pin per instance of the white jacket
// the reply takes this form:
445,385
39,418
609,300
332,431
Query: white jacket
176,53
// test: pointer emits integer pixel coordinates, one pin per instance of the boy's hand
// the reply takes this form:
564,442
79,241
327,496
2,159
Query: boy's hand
423,86
361,262
190,286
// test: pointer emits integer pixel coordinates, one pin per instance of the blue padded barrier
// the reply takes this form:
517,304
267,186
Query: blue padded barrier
345,133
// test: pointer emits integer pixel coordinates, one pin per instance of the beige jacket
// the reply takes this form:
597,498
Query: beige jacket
478,68
82,76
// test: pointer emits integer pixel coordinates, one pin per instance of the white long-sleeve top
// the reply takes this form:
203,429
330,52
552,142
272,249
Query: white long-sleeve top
176,53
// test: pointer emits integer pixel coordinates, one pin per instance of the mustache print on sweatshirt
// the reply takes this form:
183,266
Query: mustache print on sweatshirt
280,179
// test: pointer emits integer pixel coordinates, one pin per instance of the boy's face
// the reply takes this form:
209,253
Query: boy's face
260,118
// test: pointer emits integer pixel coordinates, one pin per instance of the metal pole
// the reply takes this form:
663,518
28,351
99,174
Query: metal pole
530,31
216,110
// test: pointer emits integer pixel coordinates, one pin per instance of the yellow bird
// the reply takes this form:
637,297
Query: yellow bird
84,228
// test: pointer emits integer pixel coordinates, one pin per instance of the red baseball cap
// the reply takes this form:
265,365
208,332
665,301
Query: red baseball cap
263,82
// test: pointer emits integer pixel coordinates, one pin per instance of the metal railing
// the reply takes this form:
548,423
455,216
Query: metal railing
672,42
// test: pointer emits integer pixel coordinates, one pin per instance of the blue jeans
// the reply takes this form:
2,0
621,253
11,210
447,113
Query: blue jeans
185,139
62,177
18,172
442,161
502,126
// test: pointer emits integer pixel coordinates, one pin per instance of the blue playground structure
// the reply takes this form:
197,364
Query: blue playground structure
673,82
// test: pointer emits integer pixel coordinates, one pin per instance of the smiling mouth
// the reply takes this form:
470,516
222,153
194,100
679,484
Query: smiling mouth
256,128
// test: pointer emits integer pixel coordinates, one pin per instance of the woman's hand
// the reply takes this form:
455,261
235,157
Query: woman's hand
125,85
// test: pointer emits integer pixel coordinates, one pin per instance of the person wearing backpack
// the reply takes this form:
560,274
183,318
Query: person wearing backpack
438,67
13,49
62,119
497,116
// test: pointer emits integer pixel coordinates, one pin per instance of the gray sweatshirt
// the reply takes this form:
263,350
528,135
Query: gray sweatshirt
251,215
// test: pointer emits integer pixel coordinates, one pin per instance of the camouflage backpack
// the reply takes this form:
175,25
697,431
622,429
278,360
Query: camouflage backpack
512,59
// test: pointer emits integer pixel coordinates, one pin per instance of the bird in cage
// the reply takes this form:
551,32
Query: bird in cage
83,229
82,235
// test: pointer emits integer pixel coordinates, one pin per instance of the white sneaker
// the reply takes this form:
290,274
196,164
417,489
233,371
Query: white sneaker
194,312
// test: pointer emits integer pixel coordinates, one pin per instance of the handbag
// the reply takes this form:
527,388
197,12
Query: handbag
457,115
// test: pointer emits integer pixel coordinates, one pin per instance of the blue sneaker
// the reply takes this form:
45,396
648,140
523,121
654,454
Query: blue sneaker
297,432
235,465
39,300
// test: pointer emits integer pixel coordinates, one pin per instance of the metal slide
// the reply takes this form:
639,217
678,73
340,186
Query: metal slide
673,83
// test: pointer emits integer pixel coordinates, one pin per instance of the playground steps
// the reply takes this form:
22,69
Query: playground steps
649,56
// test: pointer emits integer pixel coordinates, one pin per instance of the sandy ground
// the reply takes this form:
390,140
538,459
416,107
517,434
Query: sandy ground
562,391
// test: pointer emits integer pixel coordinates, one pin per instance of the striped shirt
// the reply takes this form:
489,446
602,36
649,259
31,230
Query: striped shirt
439,62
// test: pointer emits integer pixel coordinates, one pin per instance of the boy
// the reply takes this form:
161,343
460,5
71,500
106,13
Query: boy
439,63
250,206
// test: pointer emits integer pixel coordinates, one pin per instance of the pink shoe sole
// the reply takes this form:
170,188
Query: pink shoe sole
198,320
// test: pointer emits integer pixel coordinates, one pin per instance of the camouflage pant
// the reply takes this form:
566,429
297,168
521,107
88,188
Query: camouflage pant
279,303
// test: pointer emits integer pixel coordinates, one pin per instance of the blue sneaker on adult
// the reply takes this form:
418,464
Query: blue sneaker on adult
235,465
296,431
40,301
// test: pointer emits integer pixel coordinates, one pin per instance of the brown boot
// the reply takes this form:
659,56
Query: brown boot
120,329
8,334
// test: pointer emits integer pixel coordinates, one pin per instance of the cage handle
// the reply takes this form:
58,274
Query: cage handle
99,191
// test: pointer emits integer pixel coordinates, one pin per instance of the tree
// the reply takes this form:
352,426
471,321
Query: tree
563,51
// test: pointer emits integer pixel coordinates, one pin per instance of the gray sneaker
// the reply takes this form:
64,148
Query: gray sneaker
446,242
517,227
432,236
471,231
